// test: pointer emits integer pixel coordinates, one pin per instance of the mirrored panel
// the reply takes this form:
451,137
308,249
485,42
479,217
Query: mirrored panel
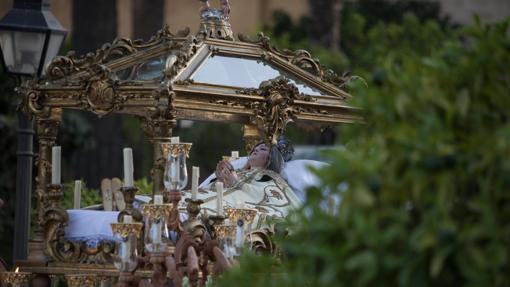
244,73
150,70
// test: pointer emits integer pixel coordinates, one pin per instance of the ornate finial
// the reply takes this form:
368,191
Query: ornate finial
215,22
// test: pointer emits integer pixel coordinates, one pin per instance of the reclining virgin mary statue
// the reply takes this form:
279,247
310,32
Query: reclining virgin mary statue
257,184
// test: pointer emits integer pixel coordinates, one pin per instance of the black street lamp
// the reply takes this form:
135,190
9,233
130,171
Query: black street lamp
30,37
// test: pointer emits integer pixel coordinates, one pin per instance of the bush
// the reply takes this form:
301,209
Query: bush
424,183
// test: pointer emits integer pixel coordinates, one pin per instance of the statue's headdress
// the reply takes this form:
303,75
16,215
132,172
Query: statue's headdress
285,148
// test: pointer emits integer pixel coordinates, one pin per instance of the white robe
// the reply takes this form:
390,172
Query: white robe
260,189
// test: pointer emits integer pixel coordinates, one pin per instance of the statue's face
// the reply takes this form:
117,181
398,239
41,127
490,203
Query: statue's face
258,156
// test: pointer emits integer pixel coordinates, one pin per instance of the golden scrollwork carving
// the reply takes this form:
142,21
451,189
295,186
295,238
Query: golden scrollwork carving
101,95
81,280
32,103
175,149
64,66
160,122
300,58
182,55
157,128
16,278
157,210
47,130
100,91
124,229
186,82
55,219
246,214
261,241
274,113
225,231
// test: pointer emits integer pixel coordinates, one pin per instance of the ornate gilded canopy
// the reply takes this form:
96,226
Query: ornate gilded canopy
205,77
195,77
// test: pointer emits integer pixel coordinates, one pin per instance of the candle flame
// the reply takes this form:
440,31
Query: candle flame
17,270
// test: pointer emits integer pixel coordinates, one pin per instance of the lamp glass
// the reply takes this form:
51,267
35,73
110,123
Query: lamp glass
156,234
22,50
176,174
54,44
125,257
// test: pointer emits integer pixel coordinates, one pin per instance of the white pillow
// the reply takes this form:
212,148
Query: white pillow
299,177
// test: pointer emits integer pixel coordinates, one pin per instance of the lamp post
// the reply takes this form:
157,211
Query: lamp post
30,37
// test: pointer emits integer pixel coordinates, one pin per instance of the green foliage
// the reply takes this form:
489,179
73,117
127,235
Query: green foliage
144,186
424,183
210,142
88,196
394,12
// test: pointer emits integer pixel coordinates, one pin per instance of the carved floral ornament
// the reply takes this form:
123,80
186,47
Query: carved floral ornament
272,115
64,66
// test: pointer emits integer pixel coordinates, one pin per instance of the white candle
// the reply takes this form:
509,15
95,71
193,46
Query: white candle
219,198
128,219
56,153
128,167
235,154
194,182
156,232
125,247
239,242
174,171
174,140
77,194
158,199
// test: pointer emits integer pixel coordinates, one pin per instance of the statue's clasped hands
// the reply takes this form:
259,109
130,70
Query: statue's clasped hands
225,173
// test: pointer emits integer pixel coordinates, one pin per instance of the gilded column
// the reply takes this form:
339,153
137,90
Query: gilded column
47,131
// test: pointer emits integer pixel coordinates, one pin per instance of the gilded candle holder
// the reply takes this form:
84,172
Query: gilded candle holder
129,193
81,280
225,231
126,253
157,210
175,149
213,221
156,226
125,229
54,194
16,278
246,214
193,207
175,177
